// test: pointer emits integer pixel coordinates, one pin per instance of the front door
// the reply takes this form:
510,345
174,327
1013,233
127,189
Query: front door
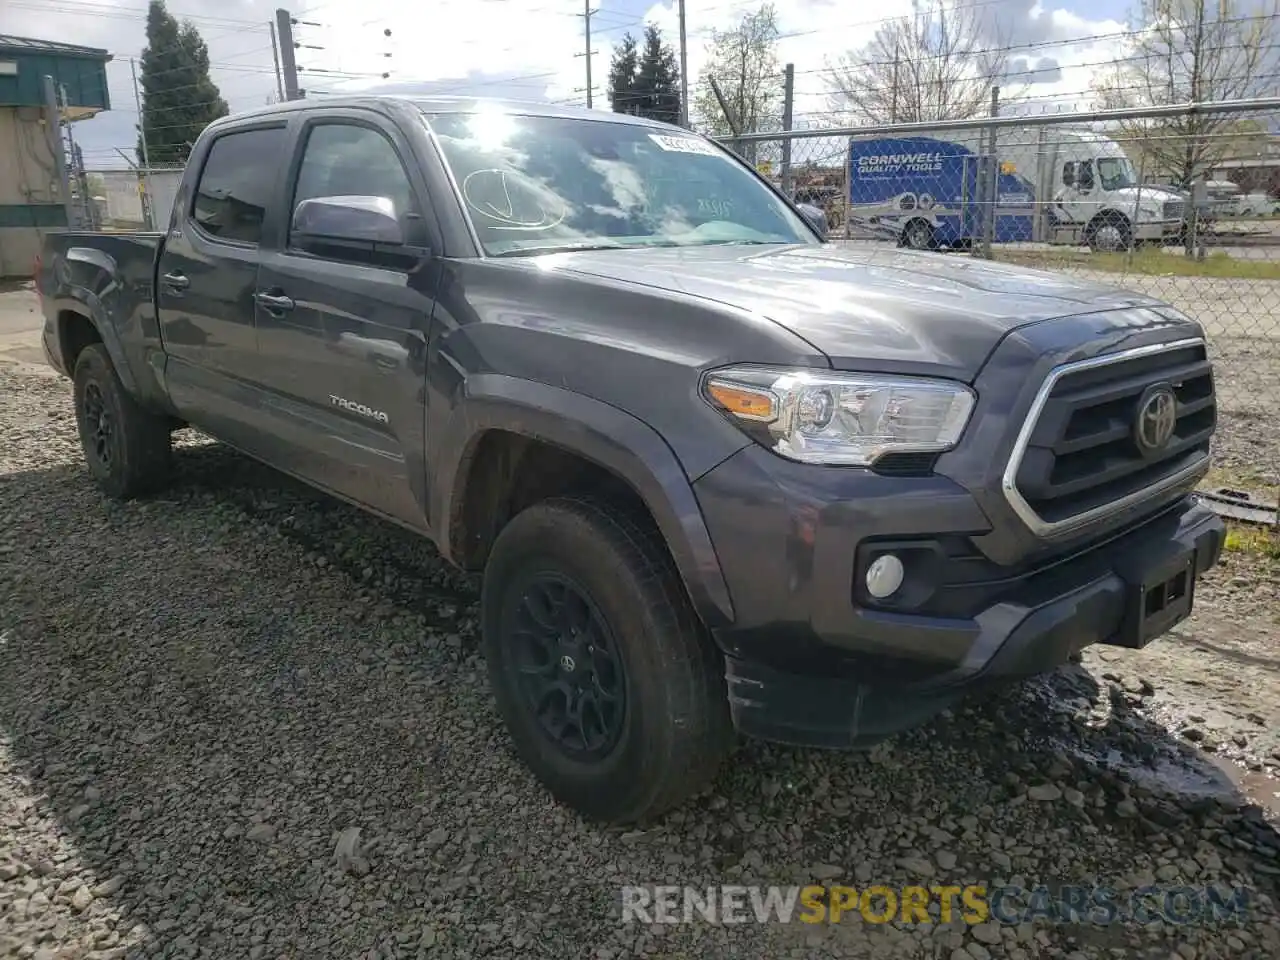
1080,197
207,275
342,334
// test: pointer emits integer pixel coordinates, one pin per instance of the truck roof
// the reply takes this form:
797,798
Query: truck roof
457,104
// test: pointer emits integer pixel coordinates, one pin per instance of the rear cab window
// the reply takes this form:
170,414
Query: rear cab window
237,183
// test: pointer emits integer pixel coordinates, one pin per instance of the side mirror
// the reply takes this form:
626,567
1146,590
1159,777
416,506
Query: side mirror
1069,175
322,220
817,219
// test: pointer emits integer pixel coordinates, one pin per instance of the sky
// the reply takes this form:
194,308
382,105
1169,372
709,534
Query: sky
529,49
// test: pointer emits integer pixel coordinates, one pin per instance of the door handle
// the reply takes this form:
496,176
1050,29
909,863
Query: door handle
272,302
176,281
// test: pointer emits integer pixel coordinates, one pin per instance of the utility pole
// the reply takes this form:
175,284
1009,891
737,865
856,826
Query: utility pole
788,102
289,67
146,157
993,181
684,70
586,19
275,58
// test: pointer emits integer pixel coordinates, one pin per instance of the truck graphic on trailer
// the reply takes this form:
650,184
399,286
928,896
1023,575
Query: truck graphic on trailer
1072,187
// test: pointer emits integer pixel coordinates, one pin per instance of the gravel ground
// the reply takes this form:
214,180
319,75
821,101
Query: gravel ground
204,695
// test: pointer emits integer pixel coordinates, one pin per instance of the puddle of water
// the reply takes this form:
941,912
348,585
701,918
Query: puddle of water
1202,777
1261,789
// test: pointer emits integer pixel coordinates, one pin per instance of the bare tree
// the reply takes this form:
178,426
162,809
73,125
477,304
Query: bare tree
937,64
1192,51
744,63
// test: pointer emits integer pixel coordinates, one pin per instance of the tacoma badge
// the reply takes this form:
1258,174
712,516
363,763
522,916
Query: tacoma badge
359,408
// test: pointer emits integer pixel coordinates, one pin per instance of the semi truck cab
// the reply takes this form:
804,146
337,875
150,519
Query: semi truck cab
1099,200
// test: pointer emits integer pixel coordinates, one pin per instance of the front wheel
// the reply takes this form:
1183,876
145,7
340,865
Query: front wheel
609,685
1110,234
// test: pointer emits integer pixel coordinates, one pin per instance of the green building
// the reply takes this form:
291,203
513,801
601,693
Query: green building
30,200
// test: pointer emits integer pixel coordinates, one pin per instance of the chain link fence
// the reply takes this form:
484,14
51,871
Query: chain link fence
1182,207
1176,206
134,199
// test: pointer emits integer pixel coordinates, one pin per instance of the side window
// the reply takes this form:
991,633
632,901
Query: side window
236,184
1085,175
348,160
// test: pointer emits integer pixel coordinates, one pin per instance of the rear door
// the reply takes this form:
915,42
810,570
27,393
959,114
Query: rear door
342,334
208,273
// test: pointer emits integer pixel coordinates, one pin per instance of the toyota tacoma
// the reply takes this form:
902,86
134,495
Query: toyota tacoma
718,474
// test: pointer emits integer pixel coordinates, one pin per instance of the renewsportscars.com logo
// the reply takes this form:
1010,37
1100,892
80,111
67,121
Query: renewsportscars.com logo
973,904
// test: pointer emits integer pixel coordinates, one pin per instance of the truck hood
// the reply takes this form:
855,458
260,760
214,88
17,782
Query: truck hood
866,306
1147,195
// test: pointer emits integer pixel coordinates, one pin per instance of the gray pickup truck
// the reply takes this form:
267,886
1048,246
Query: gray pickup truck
718,474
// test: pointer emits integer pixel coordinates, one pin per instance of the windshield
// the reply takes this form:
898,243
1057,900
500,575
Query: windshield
535,184
1115,173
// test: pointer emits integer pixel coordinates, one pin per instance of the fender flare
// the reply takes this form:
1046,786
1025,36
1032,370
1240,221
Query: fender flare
83,303
607,436
74,297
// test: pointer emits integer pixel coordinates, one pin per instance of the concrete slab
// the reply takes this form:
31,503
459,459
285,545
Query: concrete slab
20,326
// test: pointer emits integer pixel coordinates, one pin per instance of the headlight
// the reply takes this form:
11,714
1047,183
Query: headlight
841,418
1150,213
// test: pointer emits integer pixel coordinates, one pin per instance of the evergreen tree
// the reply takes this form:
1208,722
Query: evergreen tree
645,83
658,78
622,76
179,99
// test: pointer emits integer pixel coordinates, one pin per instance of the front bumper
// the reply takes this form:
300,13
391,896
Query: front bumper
1157,230
809,662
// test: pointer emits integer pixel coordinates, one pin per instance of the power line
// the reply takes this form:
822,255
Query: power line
80,9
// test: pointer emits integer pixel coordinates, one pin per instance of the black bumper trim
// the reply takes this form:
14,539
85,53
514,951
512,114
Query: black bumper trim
1012,639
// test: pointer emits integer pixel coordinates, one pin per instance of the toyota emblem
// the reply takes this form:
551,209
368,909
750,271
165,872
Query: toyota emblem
1156,419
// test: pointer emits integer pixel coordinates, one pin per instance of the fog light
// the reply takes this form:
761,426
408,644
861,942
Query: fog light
884,576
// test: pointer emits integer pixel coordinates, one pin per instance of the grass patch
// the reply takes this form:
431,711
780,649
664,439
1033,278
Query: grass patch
1150,261
1246,479
1255,541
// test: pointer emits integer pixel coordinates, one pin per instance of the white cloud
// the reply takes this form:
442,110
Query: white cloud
527,48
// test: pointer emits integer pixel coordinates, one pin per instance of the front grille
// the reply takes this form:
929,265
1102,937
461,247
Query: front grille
1080,456
1173,210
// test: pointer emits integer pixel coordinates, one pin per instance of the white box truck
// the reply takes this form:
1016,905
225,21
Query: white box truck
1051,185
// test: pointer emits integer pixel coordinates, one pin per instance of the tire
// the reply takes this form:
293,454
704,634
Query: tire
1110,233
918,235
664,738
126,447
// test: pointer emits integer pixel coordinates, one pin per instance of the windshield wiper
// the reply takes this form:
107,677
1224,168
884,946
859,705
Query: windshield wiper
734,243
558,248
576,247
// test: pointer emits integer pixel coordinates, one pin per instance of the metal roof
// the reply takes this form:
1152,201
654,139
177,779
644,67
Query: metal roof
11,44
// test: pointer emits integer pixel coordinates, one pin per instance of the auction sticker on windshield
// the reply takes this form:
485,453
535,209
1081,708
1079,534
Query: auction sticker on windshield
684,145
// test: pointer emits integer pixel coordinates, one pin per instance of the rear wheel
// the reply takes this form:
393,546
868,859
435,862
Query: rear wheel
125,446
919,235
609,685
